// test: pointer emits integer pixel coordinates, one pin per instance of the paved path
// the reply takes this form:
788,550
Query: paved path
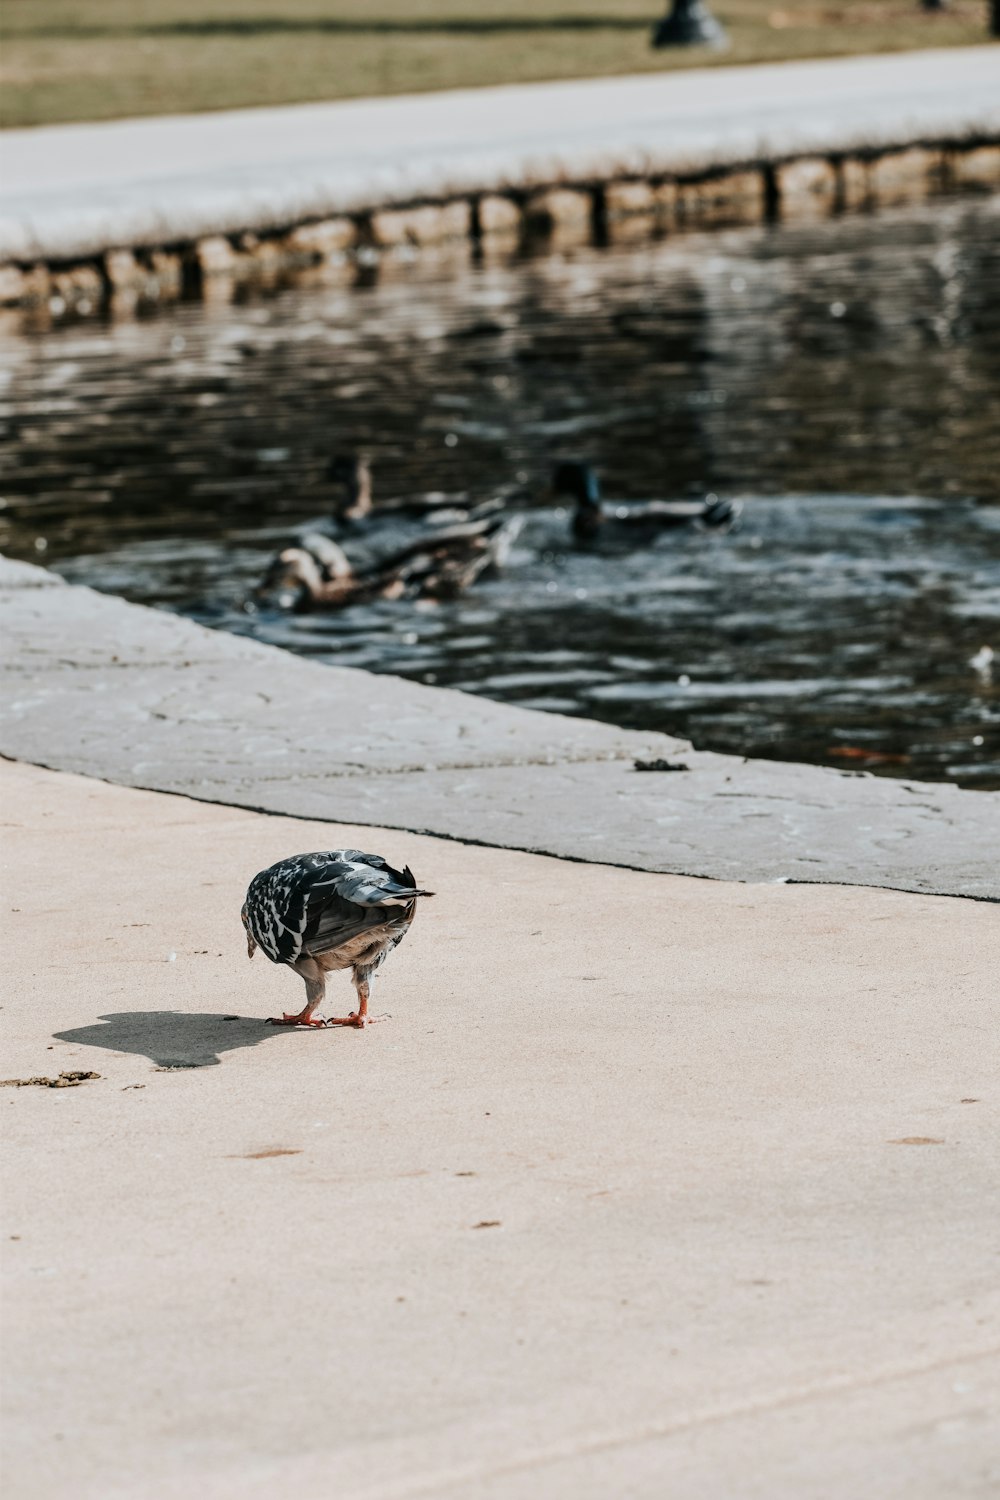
91,684
77,190
649,1186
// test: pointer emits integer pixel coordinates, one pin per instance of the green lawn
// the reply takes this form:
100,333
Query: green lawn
95,59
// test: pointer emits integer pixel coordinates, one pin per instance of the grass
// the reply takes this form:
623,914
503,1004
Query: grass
65,60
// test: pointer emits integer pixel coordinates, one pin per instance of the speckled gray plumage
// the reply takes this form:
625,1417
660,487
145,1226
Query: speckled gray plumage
312,904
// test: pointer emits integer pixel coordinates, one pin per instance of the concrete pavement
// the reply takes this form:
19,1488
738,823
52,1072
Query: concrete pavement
76,191
650,1186
138,696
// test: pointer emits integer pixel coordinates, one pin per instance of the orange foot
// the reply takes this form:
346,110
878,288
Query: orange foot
300,1020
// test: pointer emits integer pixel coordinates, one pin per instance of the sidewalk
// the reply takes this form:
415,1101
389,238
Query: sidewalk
76,191
649,1186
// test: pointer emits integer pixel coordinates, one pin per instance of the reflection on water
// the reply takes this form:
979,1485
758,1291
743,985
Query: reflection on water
844,379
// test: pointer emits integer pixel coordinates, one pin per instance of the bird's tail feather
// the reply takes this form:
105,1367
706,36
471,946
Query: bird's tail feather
388,892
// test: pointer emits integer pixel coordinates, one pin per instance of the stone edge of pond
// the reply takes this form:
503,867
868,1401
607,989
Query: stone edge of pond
350,219
143,698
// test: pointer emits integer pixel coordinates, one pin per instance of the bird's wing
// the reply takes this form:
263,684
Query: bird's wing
655,514
312,903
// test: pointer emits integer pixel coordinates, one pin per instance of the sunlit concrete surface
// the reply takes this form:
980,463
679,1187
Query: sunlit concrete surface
649,1185
76,190
91,684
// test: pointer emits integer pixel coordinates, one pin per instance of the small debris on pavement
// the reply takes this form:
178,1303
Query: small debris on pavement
265,1155
64,1081
869,757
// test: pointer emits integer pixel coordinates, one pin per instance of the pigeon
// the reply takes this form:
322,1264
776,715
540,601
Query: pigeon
339,909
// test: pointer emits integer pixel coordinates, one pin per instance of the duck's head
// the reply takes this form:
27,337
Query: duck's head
352,472
579,482
292,580
572,480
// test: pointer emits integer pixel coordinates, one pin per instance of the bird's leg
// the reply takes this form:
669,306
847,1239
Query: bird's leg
359,1017
315,981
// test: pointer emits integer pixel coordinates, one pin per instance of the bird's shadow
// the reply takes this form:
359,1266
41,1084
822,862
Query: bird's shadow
173,1038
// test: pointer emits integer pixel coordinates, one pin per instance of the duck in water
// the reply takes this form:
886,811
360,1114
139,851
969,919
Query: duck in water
318,574
355,512
633,521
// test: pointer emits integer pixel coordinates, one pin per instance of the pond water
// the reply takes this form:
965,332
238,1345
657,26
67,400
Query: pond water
844,380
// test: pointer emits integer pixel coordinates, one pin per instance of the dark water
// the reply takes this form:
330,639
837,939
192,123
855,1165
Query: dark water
844,380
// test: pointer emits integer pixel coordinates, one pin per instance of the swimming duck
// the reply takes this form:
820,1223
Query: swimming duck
355,511
318,574
380,538
633,519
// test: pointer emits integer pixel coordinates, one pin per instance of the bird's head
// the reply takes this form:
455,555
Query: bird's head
579,482
352,471
572,480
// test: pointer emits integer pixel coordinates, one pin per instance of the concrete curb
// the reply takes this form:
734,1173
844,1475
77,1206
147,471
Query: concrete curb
158,207
146,699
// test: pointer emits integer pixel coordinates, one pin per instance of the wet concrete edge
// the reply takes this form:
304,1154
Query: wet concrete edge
142,698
